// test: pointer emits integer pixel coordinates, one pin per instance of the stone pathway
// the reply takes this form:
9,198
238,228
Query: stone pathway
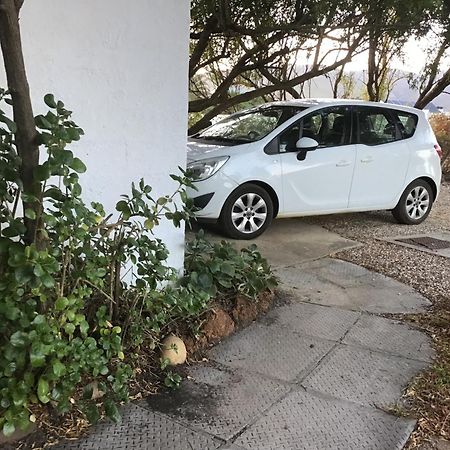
316,373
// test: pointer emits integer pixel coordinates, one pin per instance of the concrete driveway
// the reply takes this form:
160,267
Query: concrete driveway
318,372
290,241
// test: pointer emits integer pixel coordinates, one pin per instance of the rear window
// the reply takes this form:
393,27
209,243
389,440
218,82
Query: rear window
406,122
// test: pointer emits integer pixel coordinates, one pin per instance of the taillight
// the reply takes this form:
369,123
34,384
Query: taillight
438,149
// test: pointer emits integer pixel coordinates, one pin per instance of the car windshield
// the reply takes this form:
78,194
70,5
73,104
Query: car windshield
249,126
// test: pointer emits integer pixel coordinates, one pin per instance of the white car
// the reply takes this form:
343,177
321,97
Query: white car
311,157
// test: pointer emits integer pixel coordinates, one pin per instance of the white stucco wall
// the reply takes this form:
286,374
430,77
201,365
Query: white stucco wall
122,68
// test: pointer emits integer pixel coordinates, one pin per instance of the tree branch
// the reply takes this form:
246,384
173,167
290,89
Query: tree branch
427,97
266,90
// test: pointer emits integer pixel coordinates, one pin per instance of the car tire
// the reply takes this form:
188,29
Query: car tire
247,212
415,203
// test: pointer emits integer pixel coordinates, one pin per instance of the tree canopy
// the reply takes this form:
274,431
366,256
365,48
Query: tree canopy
247,50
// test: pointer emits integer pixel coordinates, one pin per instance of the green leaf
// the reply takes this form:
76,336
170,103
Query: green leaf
42,172
61,303
91,412
38,270
101,272
37,356
228,269
18,339
49,220
69,328
78,165
24,421
59,369
23,274
55,194
205,280
42,123
8,429
112,411
122,206
88,391
19,398
149,224
76,190
48,281
43,390
49,100
225,283
84,327
30,214
74,134
9,123
10,232
28,378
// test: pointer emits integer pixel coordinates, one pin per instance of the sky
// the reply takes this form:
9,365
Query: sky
413,60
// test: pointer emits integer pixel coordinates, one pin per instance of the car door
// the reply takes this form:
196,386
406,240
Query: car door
382,159
321,182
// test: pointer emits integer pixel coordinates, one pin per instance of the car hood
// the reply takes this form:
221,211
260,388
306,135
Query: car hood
197,150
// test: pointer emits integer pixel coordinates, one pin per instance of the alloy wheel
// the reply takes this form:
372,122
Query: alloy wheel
417,203
249,213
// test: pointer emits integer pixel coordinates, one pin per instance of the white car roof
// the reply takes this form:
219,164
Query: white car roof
310,102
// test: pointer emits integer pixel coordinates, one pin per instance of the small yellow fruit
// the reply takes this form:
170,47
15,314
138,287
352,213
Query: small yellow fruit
174,350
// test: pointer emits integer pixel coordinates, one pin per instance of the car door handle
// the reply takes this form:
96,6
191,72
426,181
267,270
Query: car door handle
369,159
343,163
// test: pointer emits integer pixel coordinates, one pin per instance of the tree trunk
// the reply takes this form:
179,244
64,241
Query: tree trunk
26,136
438,88
372,68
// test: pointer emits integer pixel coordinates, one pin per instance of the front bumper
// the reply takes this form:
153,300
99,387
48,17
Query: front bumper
201,201
211,194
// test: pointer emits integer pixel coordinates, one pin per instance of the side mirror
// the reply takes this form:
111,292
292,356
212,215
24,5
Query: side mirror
306,143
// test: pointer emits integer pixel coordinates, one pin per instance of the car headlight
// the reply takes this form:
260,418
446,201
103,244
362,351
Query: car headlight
206,168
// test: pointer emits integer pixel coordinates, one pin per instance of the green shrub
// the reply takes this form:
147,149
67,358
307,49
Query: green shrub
441,127
221,268
61,296
67,317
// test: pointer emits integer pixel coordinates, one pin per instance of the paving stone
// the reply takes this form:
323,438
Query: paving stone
221,402
367,299
384,300
142,430
342,273
295,278
338,283
313,320
303,421
390,336
273,351
312,274
363,376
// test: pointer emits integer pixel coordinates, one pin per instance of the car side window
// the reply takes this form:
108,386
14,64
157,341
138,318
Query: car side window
376,126
329,127
406,122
